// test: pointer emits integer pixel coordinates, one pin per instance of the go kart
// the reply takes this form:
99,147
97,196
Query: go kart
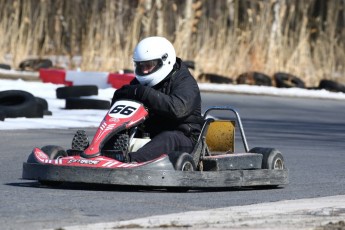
213,163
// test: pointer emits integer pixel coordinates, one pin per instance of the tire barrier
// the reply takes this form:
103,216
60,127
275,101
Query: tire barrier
35,64
18,103
76,91
332,86
214,78
117,80
85,103
2,116
286,80
73,94
254,78
5,66
42,104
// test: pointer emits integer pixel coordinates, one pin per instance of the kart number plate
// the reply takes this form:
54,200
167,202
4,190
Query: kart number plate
123,109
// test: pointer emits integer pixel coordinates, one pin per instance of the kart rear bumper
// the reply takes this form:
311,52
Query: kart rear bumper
155,178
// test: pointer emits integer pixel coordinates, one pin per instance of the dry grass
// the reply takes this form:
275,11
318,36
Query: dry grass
227,37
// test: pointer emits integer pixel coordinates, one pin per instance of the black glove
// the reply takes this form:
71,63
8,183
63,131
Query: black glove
134,92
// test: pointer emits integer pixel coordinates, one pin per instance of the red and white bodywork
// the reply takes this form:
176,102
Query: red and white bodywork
96,162
124,114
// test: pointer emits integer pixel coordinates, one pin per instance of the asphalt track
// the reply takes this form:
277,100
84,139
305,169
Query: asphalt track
309,132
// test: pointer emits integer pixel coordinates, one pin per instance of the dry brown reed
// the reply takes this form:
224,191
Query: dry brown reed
227,37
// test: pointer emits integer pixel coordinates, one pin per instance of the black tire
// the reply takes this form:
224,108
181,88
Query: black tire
286,80
83,103
42,106
254,78
35,64
271,158
17,103
185,162
43,64
332,86
53,152
76,91
2,116
182,162
5,66
47,113
214,78
42,102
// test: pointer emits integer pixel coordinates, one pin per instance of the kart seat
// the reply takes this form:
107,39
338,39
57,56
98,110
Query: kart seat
220,137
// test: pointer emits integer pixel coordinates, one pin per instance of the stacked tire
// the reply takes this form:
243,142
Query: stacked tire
214,78
35,64
5,66
18,103
74,96
332,86
286,80
254,78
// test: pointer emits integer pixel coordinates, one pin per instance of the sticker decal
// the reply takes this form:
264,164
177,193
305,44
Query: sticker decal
123,109
83,161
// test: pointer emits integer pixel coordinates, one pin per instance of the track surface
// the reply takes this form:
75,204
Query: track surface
310,134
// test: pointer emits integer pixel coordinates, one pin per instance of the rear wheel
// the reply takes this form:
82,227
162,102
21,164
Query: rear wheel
185,162
271,159
277,161
53,152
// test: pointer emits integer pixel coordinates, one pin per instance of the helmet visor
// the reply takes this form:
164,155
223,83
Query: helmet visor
143,68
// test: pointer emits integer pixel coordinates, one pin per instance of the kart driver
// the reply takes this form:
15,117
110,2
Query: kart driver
165,86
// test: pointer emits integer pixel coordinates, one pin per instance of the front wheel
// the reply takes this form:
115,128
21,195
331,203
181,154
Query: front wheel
271,159
53,152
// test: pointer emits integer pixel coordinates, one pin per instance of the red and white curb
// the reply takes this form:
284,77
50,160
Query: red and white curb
72,78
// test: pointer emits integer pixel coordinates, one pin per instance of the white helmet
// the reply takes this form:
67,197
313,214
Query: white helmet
154,59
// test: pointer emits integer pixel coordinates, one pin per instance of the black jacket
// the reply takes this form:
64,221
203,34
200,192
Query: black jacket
173,104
